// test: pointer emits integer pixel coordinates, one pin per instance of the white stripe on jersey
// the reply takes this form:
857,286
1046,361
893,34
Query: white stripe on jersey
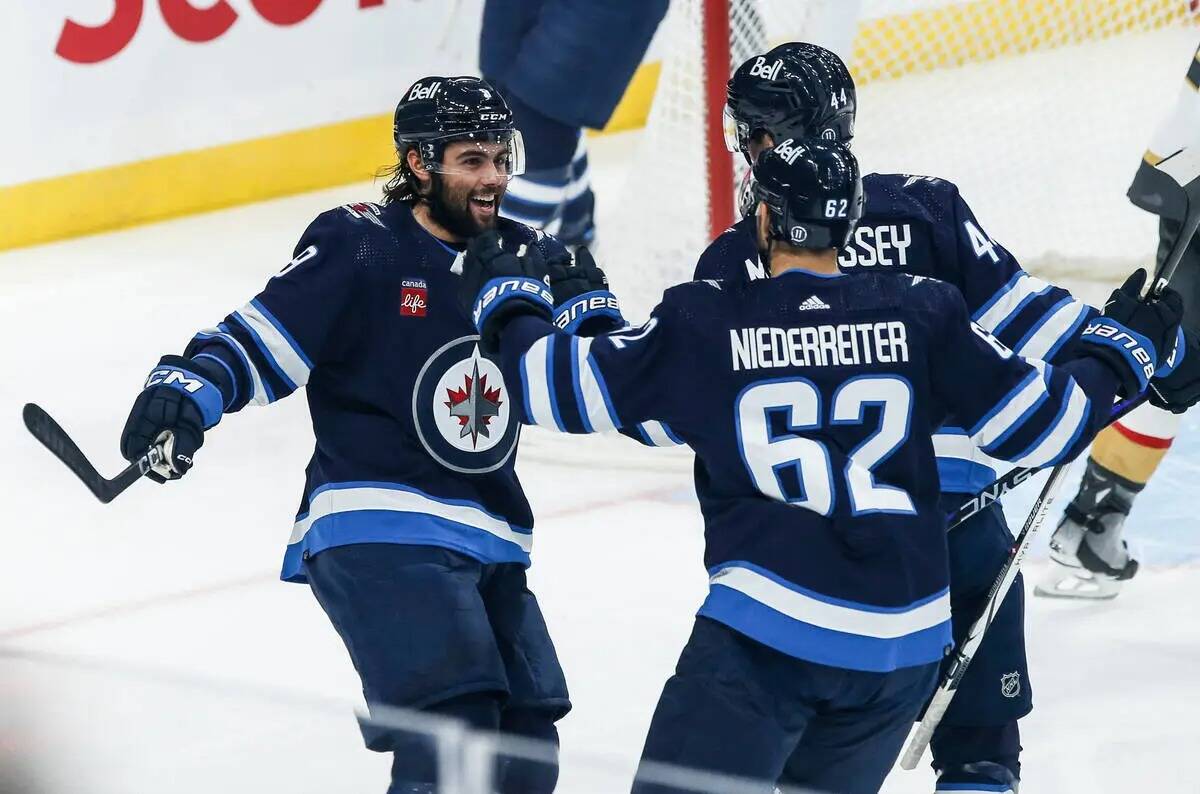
594,404
835,617
1051,330
537,386
286,357
1065,429
657,433
1010,298
332,501
535,192
1011,412
258,393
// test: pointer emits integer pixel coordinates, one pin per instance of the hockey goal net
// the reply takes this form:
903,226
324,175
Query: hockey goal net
1040,110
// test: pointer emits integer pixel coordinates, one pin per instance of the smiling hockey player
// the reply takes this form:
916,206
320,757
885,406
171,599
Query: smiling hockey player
810,400
413,531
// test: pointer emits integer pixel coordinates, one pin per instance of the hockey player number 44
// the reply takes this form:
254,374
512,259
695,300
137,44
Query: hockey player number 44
770,416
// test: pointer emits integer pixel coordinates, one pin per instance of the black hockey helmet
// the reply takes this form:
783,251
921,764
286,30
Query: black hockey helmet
812,190
796,90
438,110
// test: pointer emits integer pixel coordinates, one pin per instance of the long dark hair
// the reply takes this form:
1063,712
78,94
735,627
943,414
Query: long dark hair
401,185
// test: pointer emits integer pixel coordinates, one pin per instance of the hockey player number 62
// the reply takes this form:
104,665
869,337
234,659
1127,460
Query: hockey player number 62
771,453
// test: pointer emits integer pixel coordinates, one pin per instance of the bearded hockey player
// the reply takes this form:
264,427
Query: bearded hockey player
1091,557
413,531
810,400
921,225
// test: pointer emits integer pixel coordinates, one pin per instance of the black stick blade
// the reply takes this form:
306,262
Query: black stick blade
43,427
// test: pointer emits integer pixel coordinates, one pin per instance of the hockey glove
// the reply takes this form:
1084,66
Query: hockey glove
1134,336
498,286
585,306
174,409
1179,389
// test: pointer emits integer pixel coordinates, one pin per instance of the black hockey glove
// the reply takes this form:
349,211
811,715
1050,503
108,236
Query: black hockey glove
1179,389
583,304
1134,336
174,409
498,286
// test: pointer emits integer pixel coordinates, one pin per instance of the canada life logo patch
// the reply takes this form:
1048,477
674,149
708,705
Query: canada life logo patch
414,297
462,409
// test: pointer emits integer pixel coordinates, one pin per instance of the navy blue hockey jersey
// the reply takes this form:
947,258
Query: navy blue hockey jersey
811,403
415,430
921,225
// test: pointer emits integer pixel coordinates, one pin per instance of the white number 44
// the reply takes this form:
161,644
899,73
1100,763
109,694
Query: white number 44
980,242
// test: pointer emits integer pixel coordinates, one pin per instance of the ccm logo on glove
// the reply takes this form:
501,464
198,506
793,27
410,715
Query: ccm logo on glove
174,377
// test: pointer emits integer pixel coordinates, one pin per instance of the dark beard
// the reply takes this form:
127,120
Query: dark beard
453,213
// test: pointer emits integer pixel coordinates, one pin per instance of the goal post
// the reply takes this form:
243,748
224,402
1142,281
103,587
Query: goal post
1039,110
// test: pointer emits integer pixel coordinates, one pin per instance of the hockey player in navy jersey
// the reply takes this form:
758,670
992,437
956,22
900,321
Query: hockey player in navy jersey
810,400
413,531
921,225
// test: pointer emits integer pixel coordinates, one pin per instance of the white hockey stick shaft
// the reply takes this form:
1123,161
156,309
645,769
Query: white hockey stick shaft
1184,168
970,644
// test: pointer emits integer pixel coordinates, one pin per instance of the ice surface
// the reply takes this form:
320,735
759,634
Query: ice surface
115,621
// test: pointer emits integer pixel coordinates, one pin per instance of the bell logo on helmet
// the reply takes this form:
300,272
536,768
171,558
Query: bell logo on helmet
789,151
799,234
429,91
761,69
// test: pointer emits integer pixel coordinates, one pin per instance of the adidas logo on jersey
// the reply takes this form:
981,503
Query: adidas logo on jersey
813,303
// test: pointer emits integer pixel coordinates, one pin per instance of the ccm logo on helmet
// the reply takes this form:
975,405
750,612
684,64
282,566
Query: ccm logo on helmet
1124,340
425,91
790,151
761,69
167,377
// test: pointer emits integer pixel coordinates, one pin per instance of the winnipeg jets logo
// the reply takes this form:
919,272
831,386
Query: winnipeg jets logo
474,405
462,410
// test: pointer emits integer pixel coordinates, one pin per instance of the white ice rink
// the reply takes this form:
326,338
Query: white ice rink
148,646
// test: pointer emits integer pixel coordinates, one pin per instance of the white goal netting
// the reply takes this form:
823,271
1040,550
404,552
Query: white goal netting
1040,110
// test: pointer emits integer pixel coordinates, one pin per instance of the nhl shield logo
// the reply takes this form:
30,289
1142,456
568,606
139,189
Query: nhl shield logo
462,409
1010,684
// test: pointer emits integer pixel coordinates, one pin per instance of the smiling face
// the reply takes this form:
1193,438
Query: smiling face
464,193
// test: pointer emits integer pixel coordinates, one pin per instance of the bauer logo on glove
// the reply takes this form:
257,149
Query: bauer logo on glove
1116,335
508,288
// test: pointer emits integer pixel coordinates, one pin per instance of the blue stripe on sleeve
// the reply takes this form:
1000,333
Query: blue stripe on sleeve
256,303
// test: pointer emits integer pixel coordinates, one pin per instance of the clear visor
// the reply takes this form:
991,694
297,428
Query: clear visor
481,154
736,132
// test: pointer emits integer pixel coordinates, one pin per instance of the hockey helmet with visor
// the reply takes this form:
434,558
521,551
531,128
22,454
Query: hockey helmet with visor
438,111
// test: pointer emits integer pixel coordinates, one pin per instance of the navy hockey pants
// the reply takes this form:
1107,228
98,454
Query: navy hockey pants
569,59
430,629
981,724
738,707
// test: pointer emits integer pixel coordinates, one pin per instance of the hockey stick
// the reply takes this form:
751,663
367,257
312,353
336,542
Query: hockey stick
54,438
1184,168
992,494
